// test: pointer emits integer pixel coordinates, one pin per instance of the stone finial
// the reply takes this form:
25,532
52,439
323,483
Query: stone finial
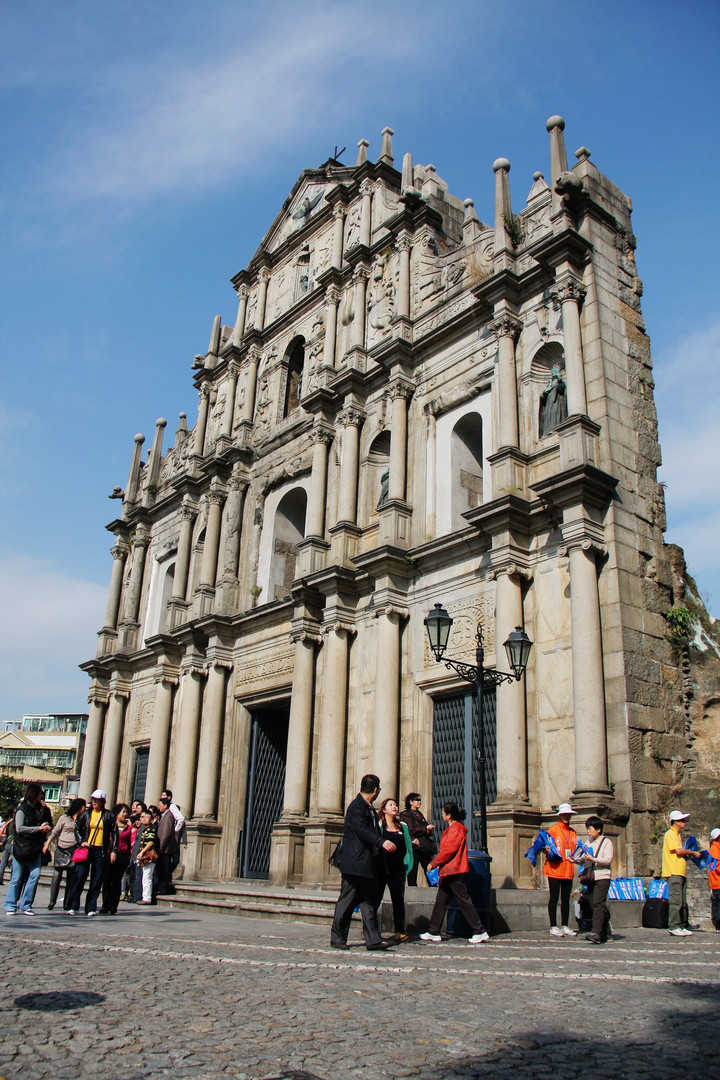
407,172
131,487
539,187
582,154
386,149
471,223
503,211
555,122
501,163
182,426
558,156
156,452
538,176
362,152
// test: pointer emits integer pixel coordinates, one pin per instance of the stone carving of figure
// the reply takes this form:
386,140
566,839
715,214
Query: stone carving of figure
262,415
384,488
353,229
381,303
429,270
553,404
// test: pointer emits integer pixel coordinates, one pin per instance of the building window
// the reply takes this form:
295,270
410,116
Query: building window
467,467
288,532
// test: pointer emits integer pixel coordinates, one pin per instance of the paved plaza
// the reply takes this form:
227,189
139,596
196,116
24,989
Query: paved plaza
157,993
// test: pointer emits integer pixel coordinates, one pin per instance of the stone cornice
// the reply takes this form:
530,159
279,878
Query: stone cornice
584,485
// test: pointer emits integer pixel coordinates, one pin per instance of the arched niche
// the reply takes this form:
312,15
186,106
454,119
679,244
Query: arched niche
543,396
376,466
466,467
288,531
159,597
295,361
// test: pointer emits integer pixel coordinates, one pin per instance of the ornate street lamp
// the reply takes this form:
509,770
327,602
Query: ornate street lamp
517,647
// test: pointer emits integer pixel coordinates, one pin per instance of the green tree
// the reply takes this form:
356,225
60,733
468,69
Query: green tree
11,792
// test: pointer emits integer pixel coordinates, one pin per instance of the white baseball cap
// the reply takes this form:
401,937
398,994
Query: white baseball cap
677,815
98,793
565,808
714,834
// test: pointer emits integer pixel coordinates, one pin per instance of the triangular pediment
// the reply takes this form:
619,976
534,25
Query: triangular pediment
304,202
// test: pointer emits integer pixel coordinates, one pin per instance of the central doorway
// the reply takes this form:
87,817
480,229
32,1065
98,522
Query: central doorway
265,788
456,757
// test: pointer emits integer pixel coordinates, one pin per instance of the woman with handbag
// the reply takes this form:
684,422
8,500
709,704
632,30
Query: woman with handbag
64,836
96,835
595,876
423,845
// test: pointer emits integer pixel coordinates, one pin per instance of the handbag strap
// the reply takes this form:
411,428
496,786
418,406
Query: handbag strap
95,830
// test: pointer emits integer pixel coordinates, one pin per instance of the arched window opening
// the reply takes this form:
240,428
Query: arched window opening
167,591
466,468
289,530
379,461
548,380
293,385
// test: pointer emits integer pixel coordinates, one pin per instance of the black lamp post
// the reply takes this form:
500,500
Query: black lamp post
517,647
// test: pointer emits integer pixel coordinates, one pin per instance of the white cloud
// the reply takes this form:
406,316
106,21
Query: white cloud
48,627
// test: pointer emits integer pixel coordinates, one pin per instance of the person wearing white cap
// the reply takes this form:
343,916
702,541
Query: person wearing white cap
674,868
714,880
560,871
95,830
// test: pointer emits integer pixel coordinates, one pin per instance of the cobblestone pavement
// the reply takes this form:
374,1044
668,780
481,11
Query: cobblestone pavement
155,993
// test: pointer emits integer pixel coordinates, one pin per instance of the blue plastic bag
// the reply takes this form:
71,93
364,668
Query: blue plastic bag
658,889
542,840
433,875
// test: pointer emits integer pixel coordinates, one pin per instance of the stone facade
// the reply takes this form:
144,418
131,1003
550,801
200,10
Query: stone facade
412,406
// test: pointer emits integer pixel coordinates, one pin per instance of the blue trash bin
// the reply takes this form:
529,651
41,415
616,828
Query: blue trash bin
479,885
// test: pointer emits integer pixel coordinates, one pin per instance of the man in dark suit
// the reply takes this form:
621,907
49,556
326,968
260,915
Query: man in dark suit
361,845
167,843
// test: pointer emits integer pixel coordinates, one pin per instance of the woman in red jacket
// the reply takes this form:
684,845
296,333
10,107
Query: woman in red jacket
453,862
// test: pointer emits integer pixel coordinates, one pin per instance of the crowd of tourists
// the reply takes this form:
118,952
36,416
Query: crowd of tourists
125,854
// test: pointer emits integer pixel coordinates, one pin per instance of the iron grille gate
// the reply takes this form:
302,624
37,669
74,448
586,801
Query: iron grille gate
265,788
456,757
142,754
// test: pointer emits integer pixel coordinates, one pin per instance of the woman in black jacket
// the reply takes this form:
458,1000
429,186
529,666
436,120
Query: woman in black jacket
420,830
96,831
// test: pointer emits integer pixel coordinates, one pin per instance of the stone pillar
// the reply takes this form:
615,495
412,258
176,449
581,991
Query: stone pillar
232,528
569,293
208,568
131,488
591,774
183,780
347,502
248,410
431,494
297,771
131,607
337,240
110,760
182,563
239,328
503,253
511,725
366,190
332,299
359,307
156,456
263,280
93,743
200,427
331,745
558,160
386,739
119,553
399,392
208,770
159,735
315,524
403,292
507,329
229,411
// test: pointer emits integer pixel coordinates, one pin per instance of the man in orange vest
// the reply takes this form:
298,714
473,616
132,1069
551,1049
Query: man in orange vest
714,880
560,871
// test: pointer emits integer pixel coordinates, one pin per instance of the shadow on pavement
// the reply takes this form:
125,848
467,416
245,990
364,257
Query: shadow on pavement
58,1001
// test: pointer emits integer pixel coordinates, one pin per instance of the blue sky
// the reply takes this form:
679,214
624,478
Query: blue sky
148,146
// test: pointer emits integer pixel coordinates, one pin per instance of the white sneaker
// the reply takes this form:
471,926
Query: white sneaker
478,939
91,914
15,913
27,911
430,937
567,932
71,911
678,932
556,931
686,932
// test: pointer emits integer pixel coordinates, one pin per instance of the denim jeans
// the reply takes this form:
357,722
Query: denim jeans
19,872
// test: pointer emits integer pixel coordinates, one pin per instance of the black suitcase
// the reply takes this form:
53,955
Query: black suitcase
655,913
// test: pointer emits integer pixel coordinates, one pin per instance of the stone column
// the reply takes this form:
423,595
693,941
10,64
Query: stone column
131,488
558,159
386,738
208,568
200,427
315,525
511,726
431,495
366,190
248,410
569,293
263,280
110,760
403,293
131,606
239,328
232,528
359,307
208,769
399,392
229,411
183,780
347,502
119,553
159,735
297,771
156,455
331,746
507,329
337,240
182,563
332,299
503,252
591,775
93,743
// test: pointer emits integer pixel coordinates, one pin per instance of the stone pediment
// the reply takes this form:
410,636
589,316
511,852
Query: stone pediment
304,202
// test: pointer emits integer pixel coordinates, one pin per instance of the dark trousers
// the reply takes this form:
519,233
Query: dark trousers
69,872
677,901
560,889
454,885
715,907
165,869
421,857
95,867
356,891
396,885
597,895
112,885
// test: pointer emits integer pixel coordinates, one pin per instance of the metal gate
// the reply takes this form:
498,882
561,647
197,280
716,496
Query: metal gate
265,788
456,757
142,754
